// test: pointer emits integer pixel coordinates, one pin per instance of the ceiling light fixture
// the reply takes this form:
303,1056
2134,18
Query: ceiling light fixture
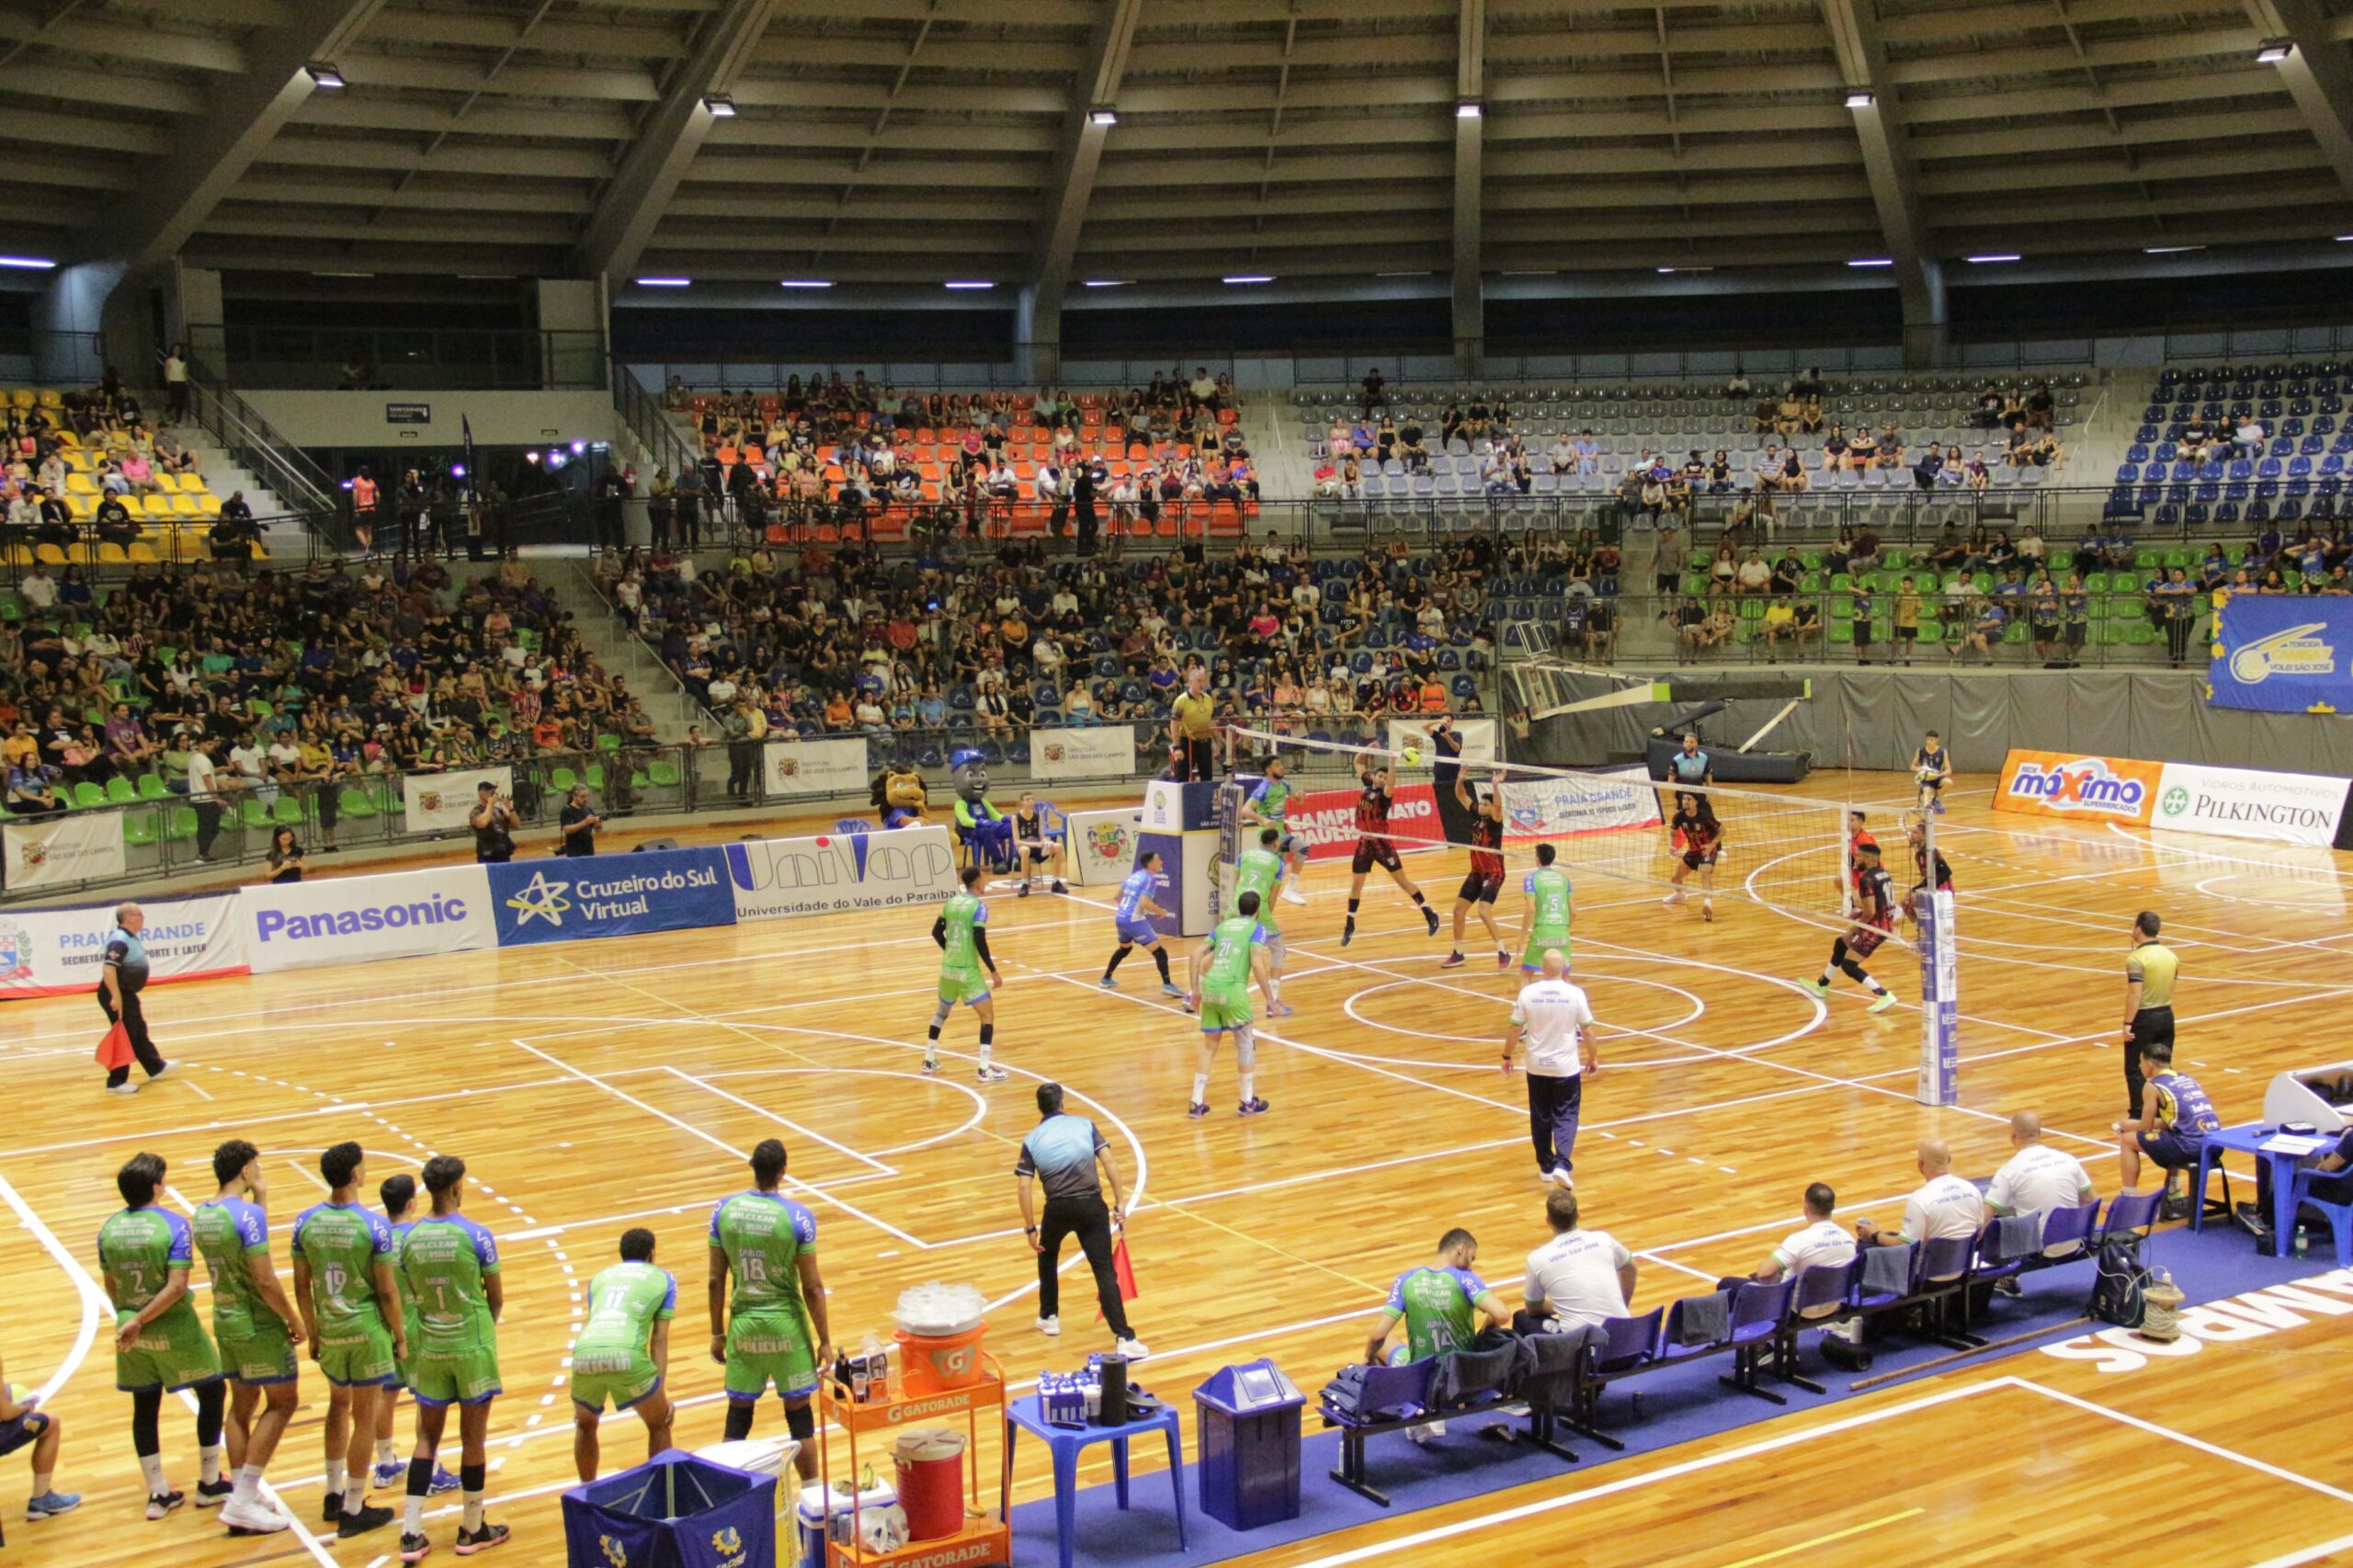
1860,99
805,283
2169,250
720,105
1469,109
1108,282
664,282
322,75
1872,261
1103,117
968,283
1248,277
1994,260
28,262
2273,50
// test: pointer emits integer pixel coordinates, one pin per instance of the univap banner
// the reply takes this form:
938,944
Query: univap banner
2283,654
776,876
44,952
2233,802
568,898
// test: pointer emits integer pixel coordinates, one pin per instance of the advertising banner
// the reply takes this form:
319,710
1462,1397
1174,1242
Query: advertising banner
1102,845
2283,654
777,877
44,952
1326,820
62,851
1478,737
1600,802
1939,1078
2233,802
2065,784
1093,751
816,767
568,899
341,920
439,802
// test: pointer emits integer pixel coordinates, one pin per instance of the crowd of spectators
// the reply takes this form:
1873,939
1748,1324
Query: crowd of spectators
209,681
841,641
89,458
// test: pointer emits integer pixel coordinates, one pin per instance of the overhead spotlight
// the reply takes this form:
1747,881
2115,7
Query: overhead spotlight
556,458
1103,117
719,105
1248,277
578,448
457,470
28,262
968,283
1872,261
1860,99
1469,109
806,283
532,457
1994,260
2273,50
664,282
322,75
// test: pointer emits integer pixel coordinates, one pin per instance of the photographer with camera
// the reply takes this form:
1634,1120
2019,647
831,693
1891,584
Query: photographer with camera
494,821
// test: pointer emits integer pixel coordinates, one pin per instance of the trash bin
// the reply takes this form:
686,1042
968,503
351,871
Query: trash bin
1249,1431
676,1511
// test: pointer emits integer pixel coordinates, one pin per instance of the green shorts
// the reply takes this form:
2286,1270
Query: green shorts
764,1349
466,1376
172,1353
967,988
359,1357
1533,958
401,1364
1225,1013
622,1381
263,1357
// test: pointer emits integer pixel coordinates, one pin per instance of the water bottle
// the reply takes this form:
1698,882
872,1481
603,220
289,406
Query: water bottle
2302,1236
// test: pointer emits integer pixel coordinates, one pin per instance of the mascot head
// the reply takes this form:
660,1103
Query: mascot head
971,773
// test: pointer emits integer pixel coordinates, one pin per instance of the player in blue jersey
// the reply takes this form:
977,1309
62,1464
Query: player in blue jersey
1269,804
1132,919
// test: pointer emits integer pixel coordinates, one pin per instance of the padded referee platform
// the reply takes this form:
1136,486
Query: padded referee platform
1737,767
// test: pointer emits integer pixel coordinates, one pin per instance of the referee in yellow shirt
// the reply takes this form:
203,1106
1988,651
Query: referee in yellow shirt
1192,724
2150,970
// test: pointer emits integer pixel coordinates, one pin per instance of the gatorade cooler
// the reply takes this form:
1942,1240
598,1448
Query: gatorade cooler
938,1364
932,1481
818,1514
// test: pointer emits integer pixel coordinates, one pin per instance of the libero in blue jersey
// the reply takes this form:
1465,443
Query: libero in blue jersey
1131,917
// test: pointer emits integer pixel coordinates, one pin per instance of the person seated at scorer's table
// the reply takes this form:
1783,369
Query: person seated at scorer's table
1576,1280
1945,1207
1822,1244
2171,1132
1442,1305
2035,1179
2330,1182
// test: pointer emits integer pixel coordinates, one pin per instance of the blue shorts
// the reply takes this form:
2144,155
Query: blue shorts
2173,1151
1138,931
26,1428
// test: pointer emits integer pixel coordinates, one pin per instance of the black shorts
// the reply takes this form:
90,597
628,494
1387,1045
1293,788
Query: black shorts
1862,631
1694,858
1863,944
1479,888
1908,634
1372,852
1039,853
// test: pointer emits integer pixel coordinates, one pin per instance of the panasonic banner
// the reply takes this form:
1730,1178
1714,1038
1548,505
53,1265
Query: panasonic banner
571,897
357,919
2283,654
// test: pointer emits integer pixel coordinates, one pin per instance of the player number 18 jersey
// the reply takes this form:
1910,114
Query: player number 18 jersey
764,1236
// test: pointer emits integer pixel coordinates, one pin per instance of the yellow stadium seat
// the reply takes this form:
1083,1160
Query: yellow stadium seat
81,484
207,505
23,398
50,398
112,555
141,553
77,459
83,507
48,555
185,506
135,505
68,438
169,484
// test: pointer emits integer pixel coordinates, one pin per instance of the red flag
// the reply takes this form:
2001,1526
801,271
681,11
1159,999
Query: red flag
115,1049
1124,1270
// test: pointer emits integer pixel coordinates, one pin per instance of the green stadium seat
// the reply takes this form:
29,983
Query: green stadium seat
251,812
138,828
151,787
357,804
560,780
662,771
119,791
286,812
87,794
179,821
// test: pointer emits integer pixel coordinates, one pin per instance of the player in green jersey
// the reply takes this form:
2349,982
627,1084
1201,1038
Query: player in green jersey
963,935
624,1351
1543,911
1269,802
448,1266
351,1312
256,1327
1223,967
397,1196
160,1345
1261,870
774,1329
1440,1304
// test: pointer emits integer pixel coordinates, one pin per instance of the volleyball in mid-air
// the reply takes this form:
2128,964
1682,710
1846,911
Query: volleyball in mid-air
1411,755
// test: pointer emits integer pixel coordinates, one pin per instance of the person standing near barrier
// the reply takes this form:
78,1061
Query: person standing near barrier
121,980
2150,971
1064,1153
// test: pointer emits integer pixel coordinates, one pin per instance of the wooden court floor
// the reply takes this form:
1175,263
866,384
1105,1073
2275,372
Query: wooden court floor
604,1085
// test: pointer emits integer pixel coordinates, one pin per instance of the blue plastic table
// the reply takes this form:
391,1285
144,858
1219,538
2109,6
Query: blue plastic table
2249,1140
1023,1415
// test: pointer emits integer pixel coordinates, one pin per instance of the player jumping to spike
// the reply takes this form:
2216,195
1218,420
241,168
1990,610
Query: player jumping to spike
1373,849
1698,839
1229,958
961,932
1932,764
1480,888
1269,802
1132,920
1543,911
1874,918
1260,871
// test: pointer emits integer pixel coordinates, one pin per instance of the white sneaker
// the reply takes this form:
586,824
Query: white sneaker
1292,895
125,1088
1426,1431
1559,1178
1051,1327
1133,1349
255,1517
1675,897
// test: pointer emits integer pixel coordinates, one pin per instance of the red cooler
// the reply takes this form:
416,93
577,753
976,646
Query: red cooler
932,1481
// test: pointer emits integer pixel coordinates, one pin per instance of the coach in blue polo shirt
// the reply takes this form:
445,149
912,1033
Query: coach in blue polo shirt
1692,766
1064,1152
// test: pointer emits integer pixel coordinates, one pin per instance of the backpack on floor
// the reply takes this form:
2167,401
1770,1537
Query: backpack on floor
2116,1291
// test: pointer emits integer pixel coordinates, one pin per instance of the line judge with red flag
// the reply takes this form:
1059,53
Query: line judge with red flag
119,983
1065,1153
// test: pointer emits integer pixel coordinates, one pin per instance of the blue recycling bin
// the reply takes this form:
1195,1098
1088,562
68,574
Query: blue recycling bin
1249,1431
675,1511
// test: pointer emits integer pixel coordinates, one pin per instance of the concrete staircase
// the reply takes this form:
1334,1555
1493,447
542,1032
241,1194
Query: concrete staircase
619,649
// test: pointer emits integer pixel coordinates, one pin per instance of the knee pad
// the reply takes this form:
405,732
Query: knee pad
739,1421
1245,1047
801,1420
940,1014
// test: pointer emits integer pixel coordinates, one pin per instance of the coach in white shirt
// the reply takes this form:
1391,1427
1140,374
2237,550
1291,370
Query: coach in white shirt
1945,1207
1578,1277
2038,1179
1823,1244
1553,1018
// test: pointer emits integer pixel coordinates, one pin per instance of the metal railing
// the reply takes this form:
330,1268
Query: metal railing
409,358
289,472
666,445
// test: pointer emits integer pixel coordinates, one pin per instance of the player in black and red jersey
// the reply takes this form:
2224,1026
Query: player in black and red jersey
1874,918
1373,847
1918,835
1486,878
1859,837
1696,837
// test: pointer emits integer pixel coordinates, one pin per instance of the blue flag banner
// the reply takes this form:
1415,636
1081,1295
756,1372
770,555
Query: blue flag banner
2283,654
567,898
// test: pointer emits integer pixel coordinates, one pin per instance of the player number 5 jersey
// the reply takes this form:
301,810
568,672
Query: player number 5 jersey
1548,887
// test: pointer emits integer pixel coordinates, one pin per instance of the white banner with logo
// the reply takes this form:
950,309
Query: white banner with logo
1096,751
357,919
47,951
1477,735
1603,800
62,851
1102,845
436,801
835,871
2238,802
816,767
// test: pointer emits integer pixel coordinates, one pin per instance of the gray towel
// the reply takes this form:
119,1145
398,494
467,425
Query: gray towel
2017,1236
1887,1271
1706,1320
